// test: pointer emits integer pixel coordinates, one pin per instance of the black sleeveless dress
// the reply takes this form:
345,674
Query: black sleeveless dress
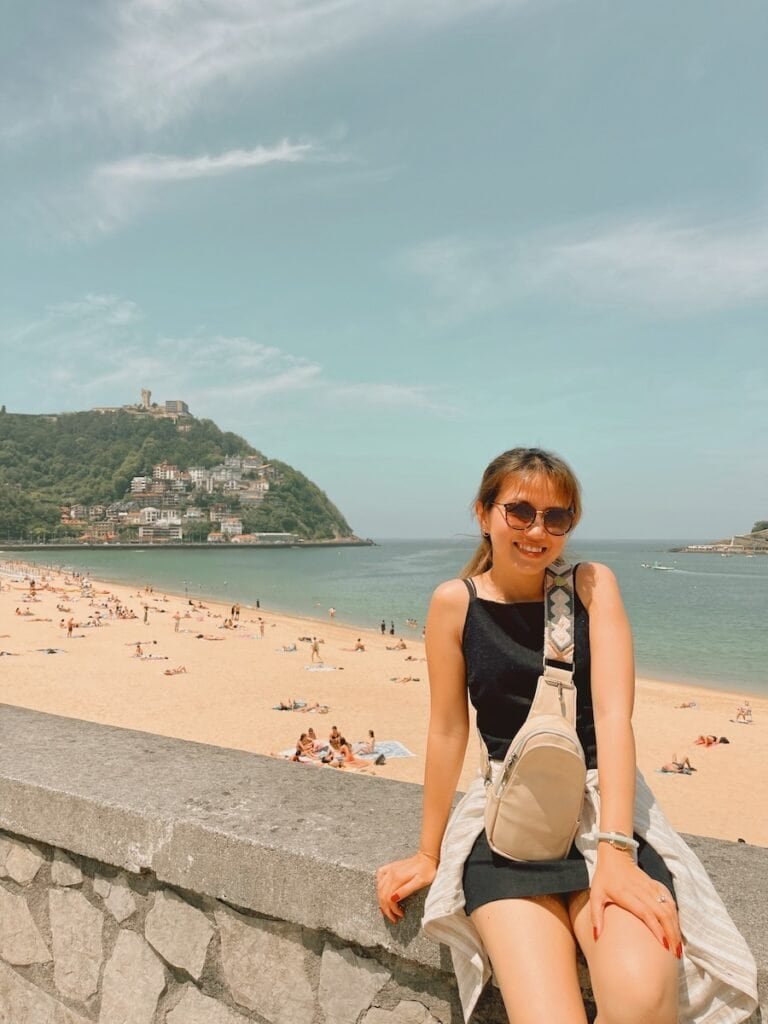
503,648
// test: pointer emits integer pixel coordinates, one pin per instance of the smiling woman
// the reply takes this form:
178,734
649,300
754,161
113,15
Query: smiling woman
628,888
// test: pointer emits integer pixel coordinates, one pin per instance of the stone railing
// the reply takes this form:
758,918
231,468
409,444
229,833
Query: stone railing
147,880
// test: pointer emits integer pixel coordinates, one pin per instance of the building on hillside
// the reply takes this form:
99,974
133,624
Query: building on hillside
165,471
231,526
150,514
99,533
177,408
161,532
140,484
216,538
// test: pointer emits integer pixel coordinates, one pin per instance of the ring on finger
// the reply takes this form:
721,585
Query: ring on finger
662,897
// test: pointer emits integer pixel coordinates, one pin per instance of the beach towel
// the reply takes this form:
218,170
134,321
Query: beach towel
390,748
296,705
320,668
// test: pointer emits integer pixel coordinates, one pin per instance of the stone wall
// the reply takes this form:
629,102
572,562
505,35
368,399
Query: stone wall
147,880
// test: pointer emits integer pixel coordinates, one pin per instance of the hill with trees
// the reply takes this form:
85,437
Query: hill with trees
49,464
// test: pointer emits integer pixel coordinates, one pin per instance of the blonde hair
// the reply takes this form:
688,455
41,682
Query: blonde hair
526,464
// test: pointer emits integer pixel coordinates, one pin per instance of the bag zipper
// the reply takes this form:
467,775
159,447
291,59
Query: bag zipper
513,756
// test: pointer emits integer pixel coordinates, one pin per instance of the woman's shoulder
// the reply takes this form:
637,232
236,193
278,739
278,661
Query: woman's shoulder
594,581
451,594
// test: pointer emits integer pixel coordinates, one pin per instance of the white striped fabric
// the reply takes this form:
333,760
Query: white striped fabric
718,980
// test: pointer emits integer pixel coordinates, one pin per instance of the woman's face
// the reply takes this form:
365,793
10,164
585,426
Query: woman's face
528,550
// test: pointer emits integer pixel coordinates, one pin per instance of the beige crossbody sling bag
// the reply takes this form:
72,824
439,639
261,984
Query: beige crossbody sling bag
535,795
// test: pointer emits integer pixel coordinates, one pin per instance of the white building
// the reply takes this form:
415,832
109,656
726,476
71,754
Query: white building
231,526
165,471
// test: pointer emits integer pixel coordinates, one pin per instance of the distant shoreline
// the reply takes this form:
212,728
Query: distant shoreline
357,542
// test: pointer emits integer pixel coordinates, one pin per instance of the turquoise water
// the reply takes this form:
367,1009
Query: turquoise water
703,622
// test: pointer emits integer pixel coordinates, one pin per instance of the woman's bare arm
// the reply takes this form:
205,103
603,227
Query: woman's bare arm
446,745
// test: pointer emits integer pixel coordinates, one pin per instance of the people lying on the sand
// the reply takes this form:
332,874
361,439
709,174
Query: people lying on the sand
710,740
25,612
687,704
9,654
207,636
175,671
154,657
678,767
366,746
399,646
404,679
51,650
314,707
63,608
348,758
744,712
288,648
288,705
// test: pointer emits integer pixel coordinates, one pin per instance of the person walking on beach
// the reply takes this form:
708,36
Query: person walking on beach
146,614
314,650
261,628
70,627
176,621
614,895
383,628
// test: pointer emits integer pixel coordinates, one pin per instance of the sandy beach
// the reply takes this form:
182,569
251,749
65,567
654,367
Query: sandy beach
234,676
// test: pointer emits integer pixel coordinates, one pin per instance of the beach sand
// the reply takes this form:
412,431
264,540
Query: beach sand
226,695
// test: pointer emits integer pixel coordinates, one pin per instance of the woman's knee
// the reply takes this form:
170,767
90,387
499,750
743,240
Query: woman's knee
637,989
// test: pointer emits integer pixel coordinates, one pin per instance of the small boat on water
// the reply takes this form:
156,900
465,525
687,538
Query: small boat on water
661,568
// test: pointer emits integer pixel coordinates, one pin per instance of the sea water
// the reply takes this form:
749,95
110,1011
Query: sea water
700,620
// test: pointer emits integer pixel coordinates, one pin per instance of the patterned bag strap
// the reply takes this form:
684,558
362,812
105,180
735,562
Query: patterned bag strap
559,610
556,692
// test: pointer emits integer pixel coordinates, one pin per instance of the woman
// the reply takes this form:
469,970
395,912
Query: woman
485,639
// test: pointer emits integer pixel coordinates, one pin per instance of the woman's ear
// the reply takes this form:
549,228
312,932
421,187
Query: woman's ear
481,513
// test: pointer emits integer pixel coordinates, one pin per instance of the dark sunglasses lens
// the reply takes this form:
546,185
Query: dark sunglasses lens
519,514
558,521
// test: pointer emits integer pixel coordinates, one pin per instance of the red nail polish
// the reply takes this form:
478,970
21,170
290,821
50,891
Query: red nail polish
679,951
396,899
666,942
594,932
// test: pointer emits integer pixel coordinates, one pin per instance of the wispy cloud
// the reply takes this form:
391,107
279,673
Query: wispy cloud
149,63
116,192
151,168
657,264
99,350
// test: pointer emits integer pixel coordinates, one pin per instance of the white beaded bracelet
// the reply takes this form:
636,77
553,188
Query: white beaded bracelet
618,839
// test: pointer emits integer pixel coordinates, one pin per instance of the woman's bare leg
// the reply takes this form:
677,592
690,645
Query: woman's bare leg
634,979
532,948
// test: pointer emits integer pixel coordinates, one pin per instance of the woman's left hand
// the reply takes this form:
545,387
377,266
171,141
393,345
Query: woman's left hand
617,879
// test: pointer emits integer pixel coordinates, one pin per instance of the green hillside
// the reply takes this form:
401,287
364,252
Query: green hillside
90,458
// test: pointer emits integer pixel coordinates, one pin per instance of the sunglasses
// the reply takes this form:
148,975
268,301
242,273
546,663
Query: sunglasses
519,515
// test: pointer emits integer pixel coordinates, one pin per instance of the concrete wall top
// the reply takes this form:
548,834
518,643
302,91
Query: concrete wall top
282,839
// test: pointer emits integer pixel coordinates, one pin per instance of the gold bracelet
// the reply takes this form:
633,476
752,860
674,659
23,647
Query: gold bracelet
431,856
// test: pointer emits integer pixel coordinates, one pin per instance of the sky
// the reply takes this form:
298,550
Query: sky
386,241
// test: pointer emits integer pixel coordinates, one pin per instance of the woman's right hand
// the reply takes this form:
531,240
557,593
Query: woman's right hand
400,879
